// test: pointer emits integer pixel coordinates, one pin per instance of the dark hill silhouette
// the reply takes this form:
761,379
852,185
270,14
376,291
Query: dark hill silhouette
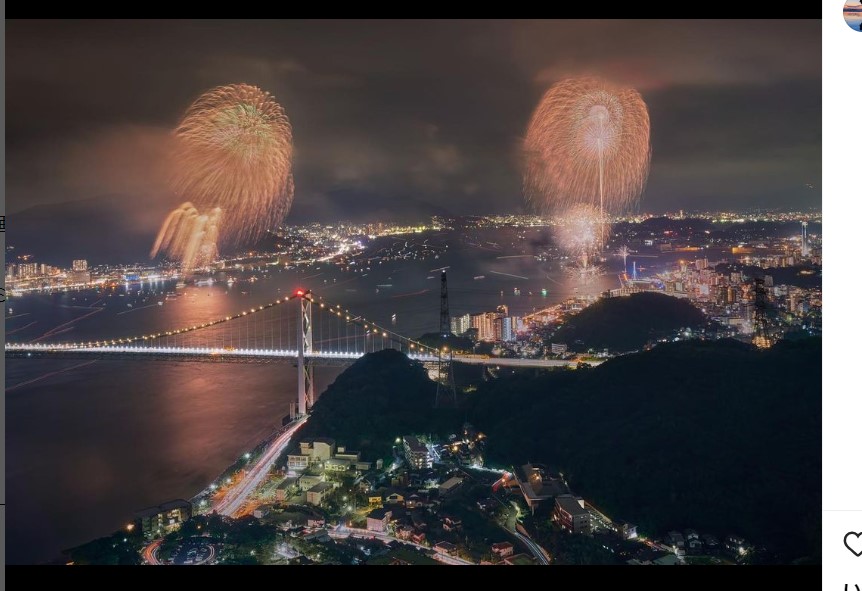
627,323
716,436
382,396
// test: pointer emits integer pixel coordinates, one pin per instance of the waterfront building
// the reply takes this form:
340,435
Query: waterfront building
155,522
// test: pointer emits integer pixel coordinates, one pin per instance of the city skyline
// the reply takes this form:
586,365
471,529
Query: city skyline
307,292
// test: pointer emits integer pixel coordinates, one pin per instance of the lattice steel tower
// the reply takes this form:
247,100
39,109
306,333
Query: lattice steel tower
445,378
445,324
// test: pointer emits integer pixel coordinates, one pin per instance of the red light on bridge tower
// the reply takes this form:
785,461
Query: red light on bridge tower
299,293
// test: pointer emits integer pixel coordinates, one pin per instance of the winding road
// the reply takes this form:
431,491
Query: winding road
342,532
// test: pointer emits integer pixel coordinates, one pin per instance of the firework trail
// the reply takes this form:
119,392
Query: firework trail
189,236
233,155
587,144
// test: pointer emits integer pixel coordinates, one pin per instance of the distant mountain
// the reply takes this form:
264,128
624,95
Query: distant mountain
108,230
360,207
714,436
99,229
627,323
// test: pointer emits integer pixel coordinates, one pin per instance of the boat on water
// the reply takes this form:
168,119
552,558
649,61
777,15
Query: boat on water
478,277
181,284
430,277
161,303
384,285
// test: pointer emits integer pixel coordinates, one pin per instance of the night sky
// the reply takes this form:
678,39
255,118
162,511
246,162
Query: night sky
400,119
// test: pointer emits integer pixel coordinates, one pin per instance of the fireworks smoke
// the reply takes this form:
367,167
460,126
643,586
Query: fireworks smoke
233,168
580,233
587,144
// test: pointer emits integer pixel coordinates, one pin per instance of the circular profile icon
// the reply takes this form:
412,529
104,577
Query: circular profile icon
853,14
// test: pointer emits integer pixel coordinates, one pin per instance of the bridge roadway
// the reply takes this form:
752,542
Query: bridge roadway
221,354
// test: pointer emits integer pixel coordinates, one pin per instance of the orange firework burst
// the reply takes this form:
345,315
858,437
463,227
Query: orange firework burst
587,144
234,150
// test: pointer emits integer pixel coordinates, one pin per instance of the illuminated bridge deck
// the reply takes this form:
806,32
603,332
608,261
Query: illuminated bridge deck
225,354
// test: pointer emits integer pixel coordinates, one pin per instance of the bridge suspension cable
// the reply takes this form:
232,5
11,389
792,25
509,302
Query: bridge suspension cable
267,328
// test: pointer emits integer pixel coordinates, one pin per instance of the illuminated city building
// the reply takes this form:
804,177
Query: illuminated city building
155,522
571,515
416,453
460,324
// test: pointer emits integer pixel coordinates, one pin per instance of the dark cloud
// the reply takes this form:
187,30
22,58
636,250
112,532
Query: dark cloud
412,117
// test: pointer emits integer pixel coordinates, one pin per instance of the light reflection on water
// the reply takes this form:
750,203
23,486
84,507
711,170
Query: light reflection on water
89,446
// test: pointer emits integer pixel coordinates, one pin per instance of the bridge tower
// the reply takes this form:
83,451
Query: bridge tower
445,324
304,370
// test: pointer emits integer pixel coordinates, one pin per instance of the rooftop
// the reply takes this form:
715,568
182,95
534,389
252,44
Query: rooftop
287,482
570,505
537,484
452,482
379,513
163,508
414,444
321,487
519,559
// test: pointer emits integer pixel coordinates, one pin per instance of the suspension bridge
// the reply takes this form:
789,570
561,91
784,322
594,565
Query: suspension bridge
303,327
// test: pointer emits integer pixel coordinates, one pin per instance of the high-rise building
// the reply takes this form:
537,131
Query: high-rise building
804,239
28,270
79,265
460,324
416,453
488,325
507,329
